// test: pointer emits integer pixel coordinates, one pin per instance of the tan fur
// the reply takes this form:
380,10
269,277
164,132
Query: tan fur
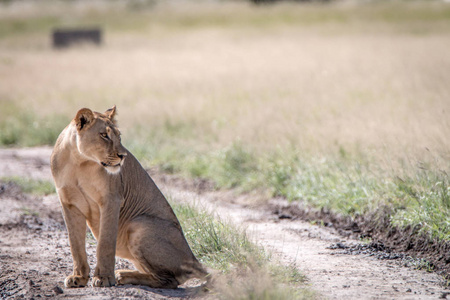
101,184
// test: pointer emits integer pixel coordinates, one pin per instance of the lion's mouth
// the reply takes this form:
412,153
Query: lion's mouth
110,165
112,169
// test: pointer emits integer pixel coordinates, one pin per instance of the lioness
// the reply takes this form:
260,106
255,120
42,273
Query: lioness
101,183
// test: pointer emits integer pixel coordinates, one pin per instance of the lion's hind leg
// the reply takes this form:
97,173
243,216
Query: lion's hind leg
160,252
151,280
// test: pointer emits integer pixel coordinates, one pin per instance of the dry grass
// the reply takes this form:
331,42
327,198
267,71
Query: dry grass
382,92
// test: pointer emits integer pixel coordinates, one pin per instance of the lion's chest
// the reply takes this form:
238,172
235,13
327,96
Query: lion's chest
96,189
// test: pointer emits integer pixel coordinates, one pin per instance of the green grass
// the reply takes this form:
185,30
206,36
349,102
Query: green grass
426,203
19,127
216,242
246,271
32,186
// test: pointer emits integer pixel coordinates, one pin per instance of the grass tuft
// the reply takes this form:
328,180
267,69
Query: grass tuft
217,243
426,202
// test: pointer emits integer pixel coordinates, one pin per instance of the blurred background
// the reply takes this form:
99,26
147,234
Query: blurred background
339,104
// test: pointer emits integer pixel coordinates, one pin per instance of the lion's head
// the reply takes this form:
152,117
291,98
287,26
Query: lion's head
98,138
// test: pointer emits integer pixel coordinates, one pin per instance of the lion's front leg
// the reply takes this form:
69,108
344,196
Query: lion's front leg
76,227
106,247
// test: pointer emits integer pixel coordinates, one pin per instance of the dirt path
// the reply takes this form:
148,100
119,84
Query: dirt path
35,255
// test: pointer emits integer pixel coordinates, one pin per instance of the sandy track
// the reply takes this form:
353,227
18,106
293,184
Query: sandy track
44,247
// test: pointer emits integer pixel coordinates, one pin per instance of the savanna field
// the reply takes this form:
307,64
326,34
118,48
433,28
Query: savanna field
342,105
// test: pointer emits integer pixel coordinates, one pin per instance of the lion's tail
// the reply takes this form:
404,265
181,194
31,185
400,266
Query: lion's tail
208,275
193,269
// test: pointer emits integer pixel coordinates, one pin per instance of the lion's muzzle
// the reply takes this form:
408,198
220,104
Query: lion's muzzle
114,165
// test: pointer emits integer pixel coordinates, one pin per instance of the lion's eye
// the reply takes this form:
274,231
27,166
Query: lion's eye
104,135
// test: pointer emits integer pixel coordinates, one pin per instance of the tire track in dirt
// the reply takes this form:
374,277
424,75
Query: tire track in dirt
333,274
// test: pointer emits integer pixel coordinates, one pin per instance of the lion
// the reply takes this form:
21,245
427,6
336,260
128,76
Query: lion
102,185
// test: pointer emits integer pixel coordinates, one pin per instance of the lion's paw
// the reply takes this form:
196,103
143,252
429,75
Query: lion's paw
125,276
103,281
76,281
119,278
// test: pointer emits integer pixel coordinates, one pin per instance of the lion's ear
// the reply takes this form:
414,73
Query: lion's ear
111,113
84,118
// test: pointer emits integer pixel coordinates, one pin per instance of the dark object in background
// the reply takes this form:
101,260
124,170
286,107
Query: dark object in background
68,37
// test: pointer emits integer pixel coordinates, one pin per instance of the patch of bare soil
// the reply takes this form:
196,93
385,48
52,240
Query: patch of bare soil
35,255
